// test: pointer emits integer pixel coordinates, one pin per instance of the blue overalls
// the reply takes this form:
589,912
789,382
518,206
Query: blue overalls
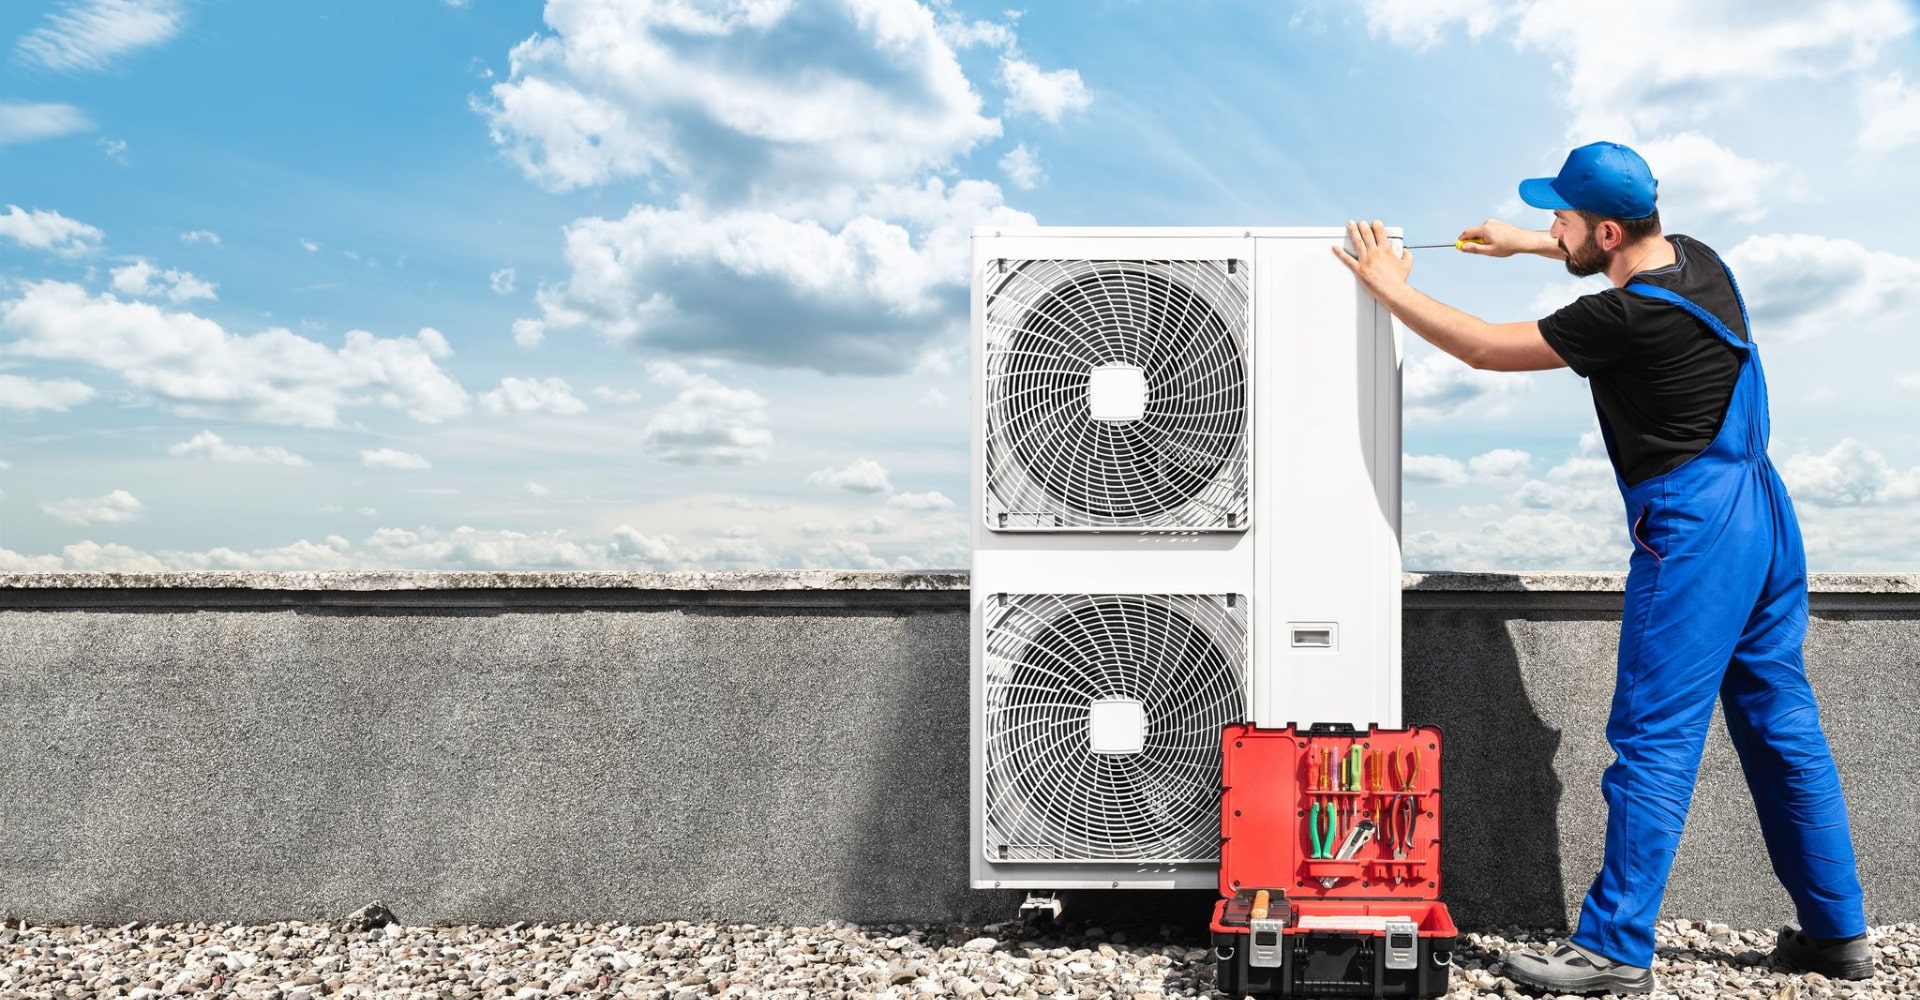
1716,602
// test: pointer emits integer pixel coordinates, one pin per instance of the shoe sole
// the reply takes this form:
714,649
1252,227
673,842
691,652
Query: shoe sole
1603,983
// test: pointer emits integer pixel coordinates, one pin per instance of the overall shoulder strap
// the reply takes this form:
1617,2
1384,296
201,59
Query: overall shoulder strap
1713,322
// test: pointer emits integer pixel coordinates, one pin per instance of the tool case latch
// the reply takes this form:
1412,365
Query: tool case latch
1332,729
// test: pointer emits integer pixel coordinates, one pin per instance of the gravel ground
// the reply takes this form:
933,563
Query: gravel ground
689,961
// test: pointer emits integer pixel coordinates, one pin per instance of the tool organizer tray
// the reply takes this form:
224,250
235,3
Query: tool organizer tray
1339,828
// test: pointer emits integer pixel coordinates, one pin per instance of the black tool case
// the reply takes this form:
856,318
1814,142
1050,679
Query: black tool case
1379,929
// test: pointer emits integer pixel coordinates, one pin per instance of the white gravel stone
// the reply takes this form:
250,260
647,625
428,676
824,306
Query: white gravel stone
839,961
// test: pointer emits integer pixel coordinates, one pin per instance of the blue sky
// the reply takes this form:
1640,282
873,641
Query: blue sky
603,285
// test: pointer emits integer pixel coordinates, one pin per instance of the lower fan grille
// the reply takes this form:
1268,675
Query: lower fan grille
1103,720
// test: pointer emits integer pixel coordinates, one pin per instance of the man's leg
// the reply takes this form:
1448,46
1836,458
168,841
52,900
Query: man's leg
1775,725
1676,637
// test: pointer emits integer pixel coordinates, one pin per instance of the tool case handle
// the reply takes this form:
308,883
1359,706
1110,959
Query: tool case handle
1331,729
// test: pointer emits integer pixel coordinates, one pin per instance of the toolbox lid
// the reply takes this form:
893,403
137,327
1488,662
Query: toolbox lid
1266,805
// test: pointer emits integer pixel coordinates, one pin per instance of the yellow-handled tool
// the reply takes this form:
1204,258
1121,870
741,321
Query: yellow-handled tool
1456,244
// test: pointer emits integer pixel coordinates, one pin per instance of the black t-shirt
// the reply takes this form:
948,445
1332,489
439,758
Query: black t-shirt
1660,378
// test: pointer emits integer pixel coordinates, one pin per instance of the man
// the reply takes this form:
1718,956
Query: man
1716,599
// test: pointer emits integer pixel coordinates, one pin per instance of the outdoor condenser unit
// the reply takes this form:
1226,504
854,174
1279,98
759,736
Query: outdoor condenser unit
1185,509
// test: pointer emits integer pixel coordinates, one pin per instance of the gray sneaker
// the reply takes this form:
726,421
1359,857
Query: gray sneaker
1573,969
1840,960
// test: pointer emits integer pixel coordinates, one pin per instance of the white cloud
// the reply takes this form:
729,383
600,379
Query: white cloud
1042,93
116,149
391,458
865,296
1420,23
861,476
920,501
529,332
537,490
113,508
1849,474
1500,464
935,398
964,34
842,553
200,369
1802,286
706,423
91,34
21,393
532,395
873,525
1438,470
862,89
501,281
1022,168
143,280
207,444
309,246
1709,179
1583,483
804,210
617,397
1438,386
200,236
44,230
1524,541
1889,115
1651,64
23,122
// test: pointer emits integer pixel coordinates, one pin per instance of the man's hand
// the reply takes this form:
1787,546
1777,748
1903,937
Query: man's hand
1373,260
1494,238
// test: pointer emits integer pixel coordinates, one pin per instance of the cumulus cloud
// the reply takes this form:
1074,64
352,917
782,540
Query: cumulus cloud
1438,386
200,236
1710,179
1420,24
91,34
920,501
1500,464
1849,474
872,525
142,280
198,368
532,395
44,230
865,295
113,508
706,423
1651,65
1438,470
806,212
795,92
1022,168
1889,115
207,444
20,393
1042,93
1802,286
501,281
392,458
860,476
28,122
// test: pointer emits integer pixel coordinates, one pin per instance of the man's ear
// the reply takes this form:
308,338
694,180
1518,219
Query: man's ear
1611,235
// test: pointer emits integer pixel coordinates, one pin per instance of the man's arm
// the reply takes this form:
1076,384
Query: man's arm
1506,347
1494,238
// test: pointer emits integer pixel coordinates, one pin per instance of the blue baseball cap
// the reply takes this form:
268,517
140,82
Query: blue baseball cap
1606,178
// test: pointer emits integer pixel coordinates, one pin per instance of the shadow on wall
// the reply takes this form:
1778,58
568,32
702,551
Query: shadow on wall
1500,856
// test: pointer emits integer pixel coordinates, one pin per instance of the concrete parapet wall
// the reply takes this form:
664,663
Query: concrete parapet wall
765,747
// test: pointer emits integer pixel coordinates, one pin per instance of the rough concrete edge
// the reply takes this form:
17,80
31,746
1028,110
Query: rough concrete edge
779,580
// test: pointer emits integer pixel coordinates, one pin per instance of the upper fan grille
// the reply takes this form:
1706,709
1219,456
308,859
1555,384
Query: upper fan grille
1178,662
1179,461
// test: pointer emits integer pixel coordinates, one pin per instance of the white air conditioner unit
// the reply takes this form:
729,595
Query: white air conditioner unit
1186,510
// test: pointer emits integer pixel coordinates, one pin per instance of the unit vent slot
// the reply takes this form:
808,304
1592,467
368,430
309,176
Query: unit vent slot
1117,395
1103,720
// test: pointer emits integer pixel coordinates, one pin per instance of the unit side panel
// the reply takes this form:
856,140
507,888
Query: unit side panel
1327,523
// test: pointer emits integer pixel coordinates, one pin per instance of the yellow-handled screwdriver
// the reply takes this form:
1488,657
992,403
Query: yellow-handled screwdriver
1456,244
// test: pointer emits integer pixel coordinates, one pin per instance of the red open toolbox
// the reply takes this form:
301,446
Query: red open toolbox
1367,925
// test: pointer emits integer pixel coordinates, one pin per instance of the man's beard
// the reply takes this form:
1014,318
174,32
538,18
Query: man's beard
1589,259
